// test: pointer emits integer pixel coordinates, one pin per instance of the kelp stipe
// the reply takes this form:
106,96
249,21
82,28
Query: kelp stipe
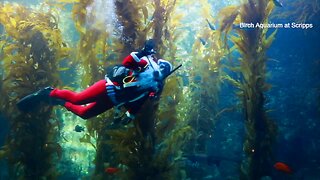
31,52
145,151
92,46
260,129
205,79
133,17
161,15
94,51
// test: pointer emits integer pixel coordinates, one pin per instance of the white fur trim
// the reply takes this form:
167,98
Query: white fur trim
129,115
135,57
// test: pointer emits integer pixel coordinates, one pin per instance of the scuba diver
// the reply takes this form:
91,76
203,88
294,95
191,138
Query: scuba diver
140,77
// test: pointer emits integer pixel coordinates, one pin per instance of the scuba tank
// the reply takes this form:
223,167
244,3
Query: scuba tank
118,73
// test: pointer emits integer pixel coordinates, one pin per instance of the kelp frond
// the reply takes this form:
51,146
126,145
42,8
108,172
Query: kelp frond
32,49
252,46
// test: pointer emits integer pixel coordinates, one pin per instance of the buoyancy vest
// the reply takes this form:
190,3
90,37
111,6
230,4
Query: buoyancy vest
132,85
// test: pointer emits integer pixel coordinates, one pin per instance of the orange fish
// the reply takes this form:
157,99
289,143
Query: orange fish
111,170
280,166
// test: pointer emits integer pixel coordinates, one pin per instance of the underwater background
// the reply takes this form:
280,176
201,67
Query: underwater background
244,105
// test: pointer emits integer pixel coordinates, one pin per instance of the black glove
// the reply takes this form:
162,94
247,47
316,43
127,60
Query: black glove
149,46
148,49
116,120
117,116
126,120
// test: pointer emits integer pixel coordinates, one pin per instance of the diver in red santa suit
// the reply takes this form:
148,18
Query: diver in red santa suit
141,77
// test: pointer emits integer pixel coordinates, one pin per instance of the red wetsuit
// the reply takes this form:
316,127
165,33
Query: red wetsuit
95,100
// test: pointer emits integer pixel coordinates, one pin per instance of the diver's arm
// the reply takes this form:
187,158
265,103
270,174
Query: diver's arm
132,61
132,109
135,61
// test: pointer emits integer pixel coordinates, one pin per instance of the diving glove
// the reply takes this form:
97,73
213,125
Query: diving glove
123,120
148,49
129,117
126,120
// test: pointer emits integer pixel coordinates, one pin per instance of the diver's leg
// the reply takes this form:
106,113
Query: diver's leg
91,94
89,110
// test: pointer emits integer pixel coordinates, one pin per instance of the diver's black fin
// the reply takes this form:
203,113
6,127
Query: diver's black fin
32,101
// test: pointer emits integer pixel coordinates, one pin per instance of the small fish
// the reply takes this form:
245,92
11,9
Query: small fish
203,41
111,170
280,166
212,27
78,128
277,3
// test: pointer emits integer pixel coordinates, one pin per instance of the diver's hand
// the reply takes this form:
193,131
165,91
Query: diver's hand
145,52
116,123
117,120
126,120
149,52
148,49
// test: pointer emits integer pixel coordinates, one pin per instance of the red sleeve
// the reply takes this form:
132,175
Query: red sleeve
131,63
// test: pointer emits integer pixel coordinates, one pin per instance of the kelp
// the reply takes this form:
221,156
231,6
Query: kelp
141,159
93,49
171,32
32,49
227,17
145,151
152,147
207,54
167,116
163,10
134,18
92,45
260,129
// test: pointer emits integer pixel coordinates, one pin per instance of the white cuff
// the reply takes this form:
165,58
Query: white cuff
135,57
130,115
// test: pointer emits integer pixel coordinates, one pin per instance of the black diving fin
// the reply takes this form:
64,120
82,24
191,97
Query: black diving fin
32,101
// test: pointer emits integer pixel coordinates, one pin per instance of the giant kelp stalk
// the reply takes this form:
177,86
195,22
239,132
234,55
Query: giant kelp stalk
130,17
252,45
205,81
162,13
92,45
168,111
31,50
146,150
165,39
165,35
94,20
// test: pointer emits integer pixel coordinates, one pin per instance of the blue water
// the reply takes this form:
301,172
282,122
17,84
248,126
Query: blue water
296,80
